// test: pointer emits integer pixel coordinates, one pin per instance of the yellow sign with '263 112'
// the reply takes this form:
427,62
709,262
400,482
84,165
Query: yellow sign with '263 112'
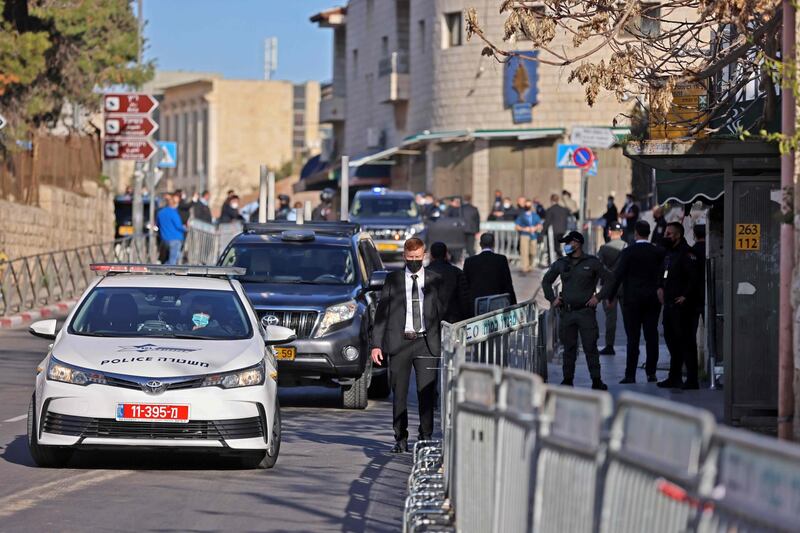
748,237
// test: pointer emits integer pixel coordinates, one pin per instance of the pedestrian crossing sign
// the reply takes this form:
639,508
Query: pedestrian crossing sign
169,154
564,155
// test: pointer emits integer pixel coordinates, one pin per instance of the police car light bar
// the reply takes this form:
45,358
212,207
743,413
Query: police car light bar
106,269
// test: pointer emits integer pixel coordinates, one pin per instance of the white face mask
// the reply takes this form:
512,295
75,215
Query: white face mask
234,205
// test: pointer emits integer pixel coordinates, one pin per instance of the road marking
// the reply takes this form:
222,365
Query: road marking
16,418
28,498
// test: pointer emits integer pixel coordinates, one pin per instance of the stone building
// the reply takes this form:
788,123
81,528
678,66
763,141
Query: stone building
226,129
409,90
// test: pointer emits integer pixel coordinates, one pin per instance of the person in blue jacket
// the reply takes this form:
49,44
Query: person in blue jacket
171,229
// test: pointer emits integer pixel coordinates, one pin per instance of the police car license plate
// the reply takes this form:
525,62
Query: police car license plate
387,247
145,412
285,353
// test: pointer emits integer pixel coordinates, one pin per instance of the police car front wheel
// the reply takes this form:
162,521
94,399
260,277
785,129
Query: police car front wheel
267,459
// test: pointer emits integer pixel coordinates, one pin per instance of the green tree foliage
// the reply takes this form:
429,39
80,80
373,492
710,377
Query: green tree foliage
52,51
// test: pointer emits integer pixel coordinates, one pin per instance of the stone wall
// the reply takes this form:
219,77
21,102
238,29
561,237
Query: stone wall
62,220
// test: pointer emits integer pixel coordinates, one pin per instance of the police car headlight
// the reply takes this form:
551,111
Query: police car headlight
416,228
336,314
246,377
58,371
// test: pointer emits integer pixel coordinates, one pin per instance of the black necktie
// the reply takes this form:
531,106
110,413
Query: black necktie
416,318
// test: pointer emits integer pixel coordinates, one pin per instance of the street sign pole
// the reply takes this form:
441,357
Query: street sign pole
584,191
151,187
262,195
271,198
138,214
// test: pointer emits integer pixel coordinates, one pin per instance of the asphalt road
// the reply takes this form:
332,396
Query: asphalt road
334,472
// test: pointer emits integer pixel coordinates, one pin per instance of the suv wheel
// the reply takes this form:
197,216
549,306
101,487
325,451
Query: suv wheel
356,396
44,456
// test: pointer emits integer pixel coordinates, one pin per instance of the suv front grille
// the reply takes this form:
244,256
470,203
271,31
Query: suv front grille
302,322
108,428
388,234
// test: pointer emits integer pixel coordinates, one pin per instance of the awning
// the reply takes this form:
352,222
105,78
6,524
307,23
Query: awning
528,134
313,166
376,158
363,175
688,187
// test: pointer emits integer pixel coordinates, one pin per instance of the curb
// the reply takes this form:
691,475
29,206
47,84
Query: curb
47,311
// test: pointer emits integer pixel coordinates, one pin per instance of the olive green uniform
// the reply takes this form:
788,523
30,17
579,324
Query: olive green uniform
579,278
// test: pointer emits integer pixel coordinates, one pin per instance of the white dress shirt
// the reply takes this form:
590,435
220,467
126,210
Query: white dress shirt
409,309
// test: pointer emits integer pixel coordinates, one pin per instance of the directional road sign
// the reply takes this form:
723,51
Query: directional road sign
583,157
169,154
597,138
129,149
129,103
3,122
129,125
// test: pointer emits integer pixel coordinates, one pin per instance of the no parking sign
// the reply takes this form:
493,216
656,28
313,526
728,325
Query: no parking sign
583,157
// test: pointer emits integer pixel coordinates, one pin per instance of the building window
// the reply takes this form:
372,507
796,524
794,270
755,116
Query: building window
385,46
453,34
646,23
355,62
422,36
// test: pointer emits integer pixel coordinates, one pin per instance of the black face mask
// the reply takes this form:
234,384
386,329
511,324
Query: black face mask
413,265
666,242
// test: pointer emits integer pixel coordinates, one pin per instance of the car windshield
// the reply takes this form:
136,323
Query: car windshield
300,263
384,207
162,312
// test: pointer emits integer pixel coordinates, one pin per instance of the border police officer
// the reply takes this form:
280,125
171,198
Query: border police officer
579,273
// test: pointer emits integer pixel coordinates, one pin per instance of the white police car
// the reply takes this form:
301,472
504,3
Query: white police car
158,357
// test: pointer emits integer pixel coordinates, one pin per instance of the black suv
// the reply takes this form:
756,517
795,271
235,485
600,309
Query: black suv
322,280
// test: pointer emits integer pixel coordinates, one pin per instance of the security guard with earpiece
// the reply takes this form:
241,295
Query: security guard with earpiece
580,274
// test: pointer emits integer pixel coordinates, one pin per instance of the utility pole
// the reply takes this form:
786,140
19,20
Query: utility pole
152,181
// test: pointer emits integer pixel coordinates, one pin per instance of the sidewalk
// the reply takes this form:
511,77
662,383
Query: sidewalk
613,366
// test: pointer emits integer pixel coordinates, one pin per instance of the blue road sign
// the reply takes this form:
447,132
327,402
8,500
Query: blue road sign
169,154
522,113
582,157
592,170
564,155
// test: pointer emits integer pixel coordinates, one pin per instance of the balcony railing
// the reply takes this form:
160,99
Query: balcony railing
396,63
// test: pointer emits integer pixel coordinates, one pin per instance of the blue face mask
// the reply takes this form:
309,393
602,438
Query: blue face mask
568,249
200,320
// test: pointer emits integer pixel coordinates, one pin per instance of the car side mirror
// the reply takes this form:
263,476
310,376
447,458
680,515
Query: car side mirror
377,280
45,329
279,335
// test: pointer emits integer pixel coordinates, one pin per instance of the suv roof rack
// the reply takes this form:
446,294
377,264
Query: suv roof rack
110,269
335,228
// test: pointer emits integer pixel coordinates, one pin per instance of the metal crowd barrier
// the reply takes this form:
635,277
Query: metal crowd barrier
205,242
506,238
38,280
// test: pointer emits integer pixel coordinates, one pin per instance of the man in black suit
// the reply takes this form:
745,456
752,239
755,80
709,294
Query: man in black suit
472,224
556,217
407,330
640,269
488,273
200,209
455,289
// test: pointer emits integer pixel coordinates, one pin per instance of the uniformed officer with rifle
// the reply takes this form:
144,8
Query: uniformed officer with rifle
580,274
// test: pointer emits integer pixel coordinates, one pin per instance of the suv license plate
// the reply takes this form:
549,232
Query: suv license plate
146,412
387,247
285,353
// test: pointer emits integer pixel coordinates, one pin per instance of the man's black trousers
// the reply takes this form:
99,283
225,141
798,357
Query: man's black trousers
581,322
681,342
641,315
413,353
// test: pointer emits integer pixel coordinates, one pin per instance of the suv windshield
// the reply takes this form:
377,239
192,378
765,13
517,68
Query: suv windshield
161,312
384,207
281,262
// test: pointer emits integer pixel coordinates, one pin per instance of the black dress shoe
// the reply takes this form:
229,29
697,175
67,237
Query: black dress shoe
627,381
690,386
597,384
424,437
669,384
608,350
567,382
400,446
652,378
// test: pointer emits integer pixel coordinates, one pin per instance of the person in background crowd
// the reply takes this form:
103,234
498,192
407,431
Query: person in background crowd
472,224
528,225
569,203
429,207
579,273
201,210
557,218
676,294
539,208
488,273
282,210
455,289
325,210
609,255
660,225
230,211
497,206
509,211
184,206
639,271
407,330
128,190
629,216
171,229
611,216
699,298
